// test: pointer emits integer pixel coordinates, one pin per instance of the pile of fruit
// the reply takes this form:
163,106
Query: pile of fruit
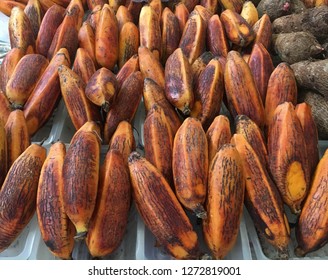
184,61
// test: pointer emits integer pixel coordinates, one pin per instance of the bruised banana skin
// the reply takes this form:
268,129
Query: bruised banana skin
199,65
182,14
79,108
86,38
56,229
178,82
101,88
160,209
51,20
211,5
190,165
27,73
242,94
287,155
254,136
204,13
43,100
263,31
34,12
109,222
267,214
158,141
217,135
225,200
20,31
3,153
157,7
304,114
131,66
125,105
311,230
123,15
18,138
123,140
154,94
18,194
83,65
216,37
5,108
80,177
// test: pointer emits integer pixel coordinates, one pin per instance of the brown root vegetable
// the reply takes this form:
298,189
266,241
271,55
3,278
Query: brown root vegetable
296,46
274,8
313,20
319,106
312,75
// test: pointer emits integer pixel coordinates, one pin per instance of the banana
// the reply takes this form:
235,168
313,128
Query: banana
249,13
261,67
134,9
170,34
27,73
208,93
128,43
282,87
44,98
94,16
47,4
217,135
75,7
243,97
238,31
8,65
154,94
150,30
178,82
129,67
125,105
51,20
123,16
254,136
106,36
34,12
157,7
7,6
56,229
123,140
20,31
3,153
216,37
115,4
18,194
234,5
190,165
18,138
101,88
190,4
158,141
150,66
199,65
304,114
211,5
83,65
86,38
267,214
288,160
80,177
109,222
263,31
79,108
93,3
182,14
192,42
160,210
311,230
63,3
5,108
225,201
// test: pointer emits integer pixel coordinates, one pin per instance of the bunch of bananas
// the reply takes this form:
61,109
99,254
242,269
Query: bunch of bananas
185,60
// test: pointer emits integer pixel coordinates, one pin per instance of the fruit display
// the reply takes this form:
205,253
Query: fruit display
187,129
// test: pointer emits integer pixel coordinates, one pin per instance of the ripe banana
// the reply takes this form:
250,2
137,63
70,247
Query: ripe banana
18,194
204,13
44,98
211,5
182,14
80,177
178,82
225,201
125,105
101,88
234,5
199,65
160,209
86,38
217,135
5,108
109,222
83,65
3,153
18,138
263,31
79,108
311,230
94,3
157,7
288,161
7,6
190,165
267,214
249,13
123,16
129,67
216,38
56,229
34,12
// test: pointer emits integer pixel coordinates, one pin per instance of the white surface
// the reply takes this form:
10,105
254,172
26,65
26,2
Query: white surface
4,35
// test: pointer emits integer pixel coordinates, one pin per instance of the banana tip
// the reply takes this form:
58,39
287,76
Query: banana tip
134,156
80,236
